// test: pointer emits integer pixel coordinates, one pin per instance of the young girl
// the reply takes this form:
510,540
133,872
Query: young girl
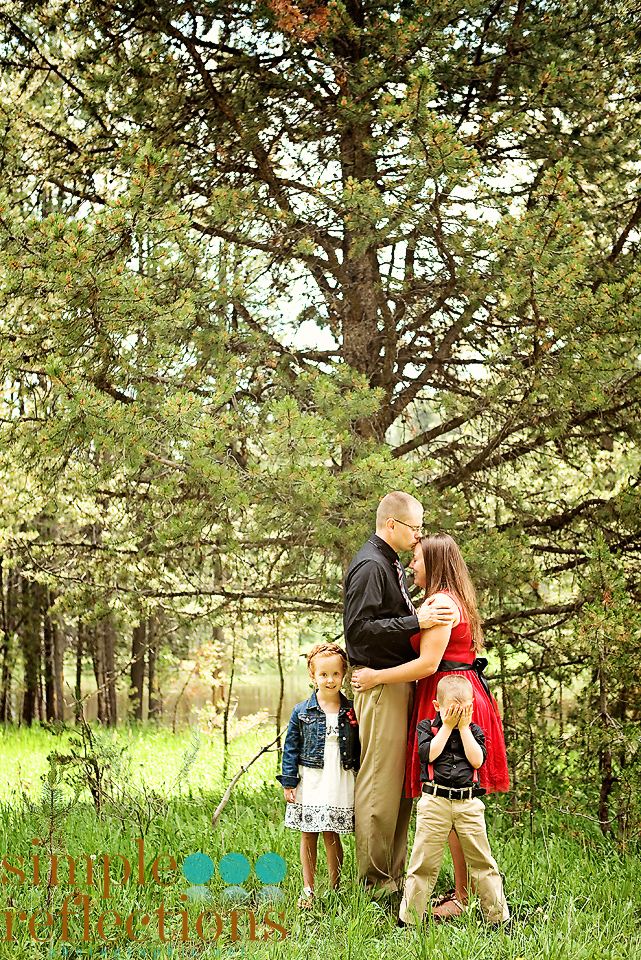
320,758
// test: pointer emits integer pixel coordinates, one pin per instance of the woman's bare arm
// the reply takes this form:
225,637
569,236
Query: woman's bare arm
433,644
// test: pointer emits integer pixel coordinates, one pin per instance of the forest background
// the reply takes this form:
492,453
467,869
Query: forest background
261,262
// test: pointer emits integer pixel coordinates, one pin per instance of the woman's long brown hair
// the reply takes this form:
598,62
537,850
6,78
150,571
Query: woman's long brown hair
445,569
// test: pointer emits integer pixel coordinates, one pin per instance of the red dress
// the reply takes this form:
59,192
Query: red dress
494,773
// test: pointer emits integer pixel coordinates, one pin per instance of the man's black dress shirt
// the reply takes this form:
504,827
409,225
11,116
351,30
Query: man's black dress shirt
451,767
377,620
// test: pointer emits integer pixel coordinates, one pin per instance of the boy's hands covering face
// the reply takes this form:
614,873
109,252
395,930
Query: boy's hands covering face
451,716
465,715
457,715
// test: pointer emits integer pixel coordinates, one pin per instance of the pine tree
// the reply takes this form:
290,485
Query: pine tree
448,191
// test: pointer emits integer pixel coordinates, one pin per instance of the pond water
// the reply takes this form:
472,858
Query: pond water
250,695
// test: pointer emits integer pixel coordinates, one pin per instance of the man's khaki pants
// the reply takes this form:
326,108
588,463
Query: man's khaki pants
382,811
435,817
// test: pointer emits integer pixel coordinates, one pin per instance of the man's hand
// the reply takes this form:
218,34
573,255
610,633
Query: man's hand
435,613
290,794
466,710
364,679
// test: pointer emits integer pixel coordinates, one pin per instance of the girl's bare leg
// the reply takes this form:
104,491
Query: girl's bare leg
308,851
334,851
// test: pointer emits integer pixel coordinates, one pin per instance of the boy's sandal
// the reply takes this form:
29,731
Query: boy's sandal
306,899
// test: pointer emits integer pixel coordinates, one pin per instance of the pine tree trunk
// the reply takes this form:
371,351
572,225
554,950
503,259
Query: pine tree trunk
53,661
80,646
31,649
154,705
605,751
59,645
96,636
138,639
281,677
48,666
109,642
6,651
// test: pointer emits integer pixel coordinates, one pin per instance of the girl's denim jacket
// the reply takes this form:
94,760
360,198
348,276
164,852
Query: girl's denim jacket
305,740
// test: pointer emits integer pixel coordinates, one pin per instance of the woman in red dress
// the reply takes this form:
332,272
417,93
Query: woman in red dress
439,567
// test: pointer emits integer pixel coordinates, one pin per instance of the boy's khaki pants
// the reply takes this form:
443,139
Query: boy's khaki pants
382,811
435,817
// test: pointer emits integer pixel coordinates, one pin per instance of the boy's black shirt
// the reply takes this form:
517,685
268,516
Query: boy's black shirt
451,768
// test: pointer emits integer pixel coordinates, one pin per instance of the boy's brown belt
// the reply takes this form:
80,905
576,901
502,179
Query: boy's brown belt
453,793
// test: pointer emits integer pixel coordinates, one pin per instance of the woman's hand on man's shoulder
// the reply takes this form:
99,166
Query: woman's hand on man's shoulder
438,611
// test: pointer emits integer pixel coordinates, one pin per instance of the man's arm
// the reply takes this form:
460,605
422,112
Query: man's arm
364,595
433,644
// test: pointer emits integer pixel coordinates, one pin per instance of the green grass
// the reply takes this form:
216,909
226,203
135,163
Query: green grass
573,894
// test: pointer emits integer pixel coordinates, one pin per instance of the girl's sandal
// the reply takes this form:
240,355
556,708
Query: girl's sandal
447,907
443,897
306,899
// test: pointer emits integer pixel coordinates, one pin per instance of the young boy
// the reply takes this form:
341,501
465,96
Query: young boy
451,752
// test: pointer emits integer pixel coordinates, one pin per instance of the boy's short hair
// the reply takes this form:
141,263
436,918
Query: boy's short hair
454,687
397,505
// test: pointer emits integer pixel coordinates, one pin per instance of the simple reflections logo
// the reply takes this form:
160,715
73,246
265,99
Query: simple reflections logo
234,869
88,917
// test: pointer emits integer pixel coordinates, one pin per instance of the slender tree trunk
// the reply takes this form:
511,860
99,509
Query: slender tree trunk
6,652
154,705
48,667
607,782
508,727
138,638
605,751
561,718
31,649
59,644
532,763
53,665
94,635
80,646
99,640
53,661
109,633
281,677
228,706
217,685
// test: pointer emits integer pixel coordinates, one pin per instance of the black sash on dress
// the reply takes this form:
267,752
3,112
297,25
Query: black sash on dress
478,666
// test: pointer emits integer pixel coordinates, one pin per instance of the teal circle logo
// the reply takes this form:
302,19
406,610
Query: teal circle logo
199,868
270,868
234,868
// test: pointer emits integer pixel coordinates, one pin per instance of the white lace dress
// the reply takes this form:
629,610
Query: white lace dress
325,796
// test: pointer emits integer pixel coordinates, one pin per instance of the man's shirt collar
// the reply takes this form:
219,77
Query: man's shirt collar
384,547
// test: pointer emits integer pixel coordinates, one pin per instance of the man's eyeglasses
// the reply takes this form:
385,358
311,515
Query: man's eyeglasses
410,525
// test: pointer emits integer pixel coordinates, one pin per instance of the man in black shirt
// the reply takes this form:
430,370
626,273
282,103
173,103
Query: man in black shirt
379,619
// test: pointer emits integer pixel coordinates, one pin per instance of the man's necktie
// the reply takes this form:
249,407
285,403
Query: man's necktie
401,580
